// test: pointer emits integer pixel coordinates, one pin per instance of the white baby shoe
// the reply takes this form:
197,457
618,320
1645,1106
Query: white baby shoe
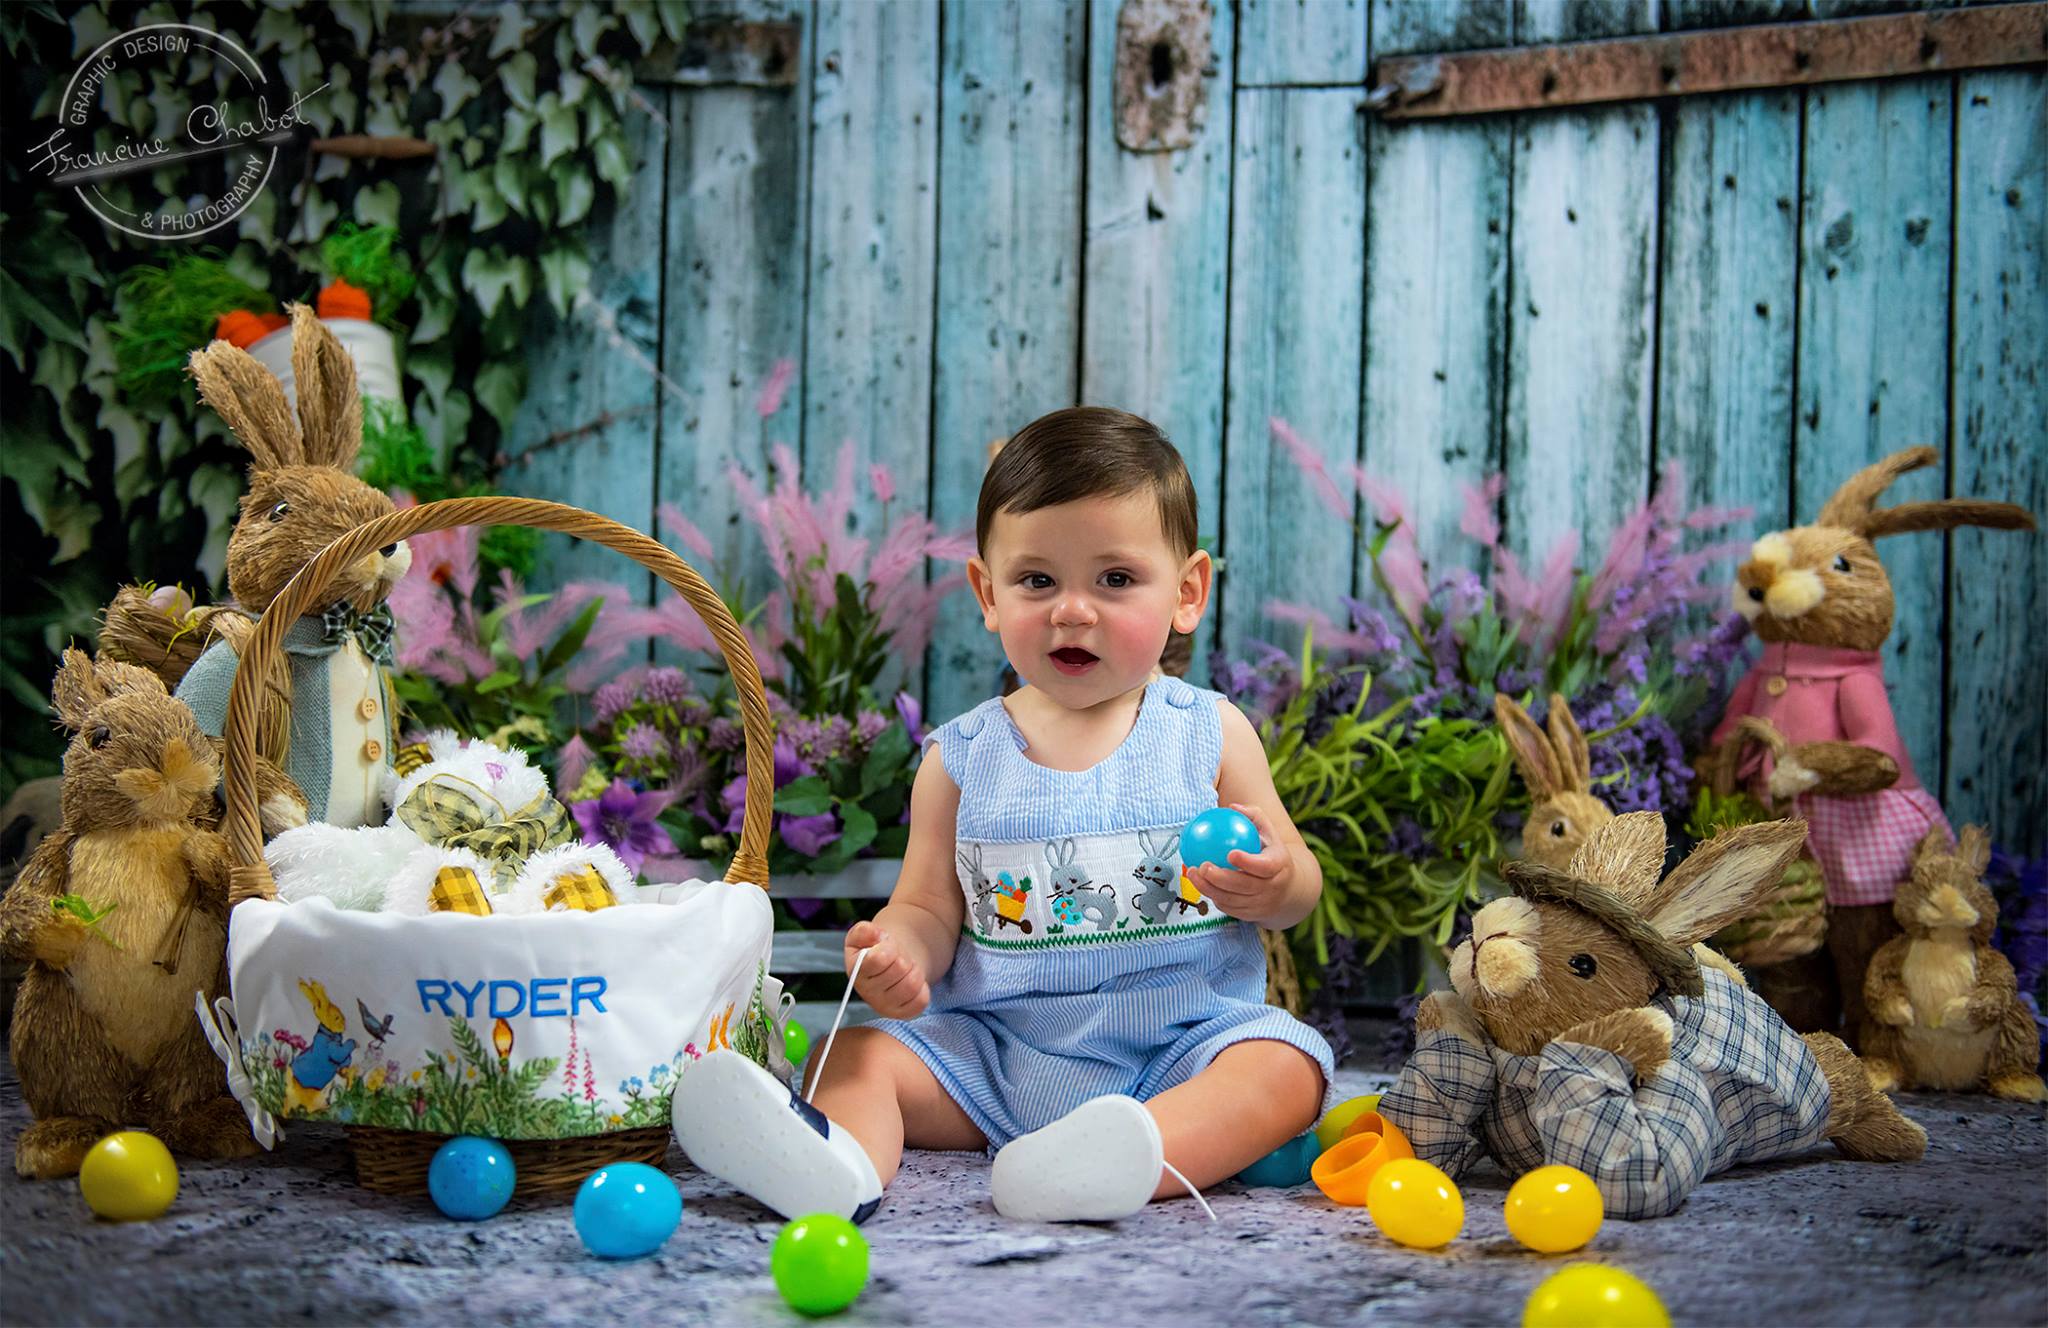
1099,1162
740,1124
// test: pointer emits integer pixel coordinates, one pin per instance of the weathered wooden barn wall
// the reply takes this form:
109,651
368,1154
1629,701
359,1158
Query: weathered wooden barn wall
937,227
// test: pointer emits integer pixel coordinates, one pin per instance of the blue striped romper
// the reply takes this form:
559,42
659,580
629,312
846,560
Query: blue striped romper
1085,966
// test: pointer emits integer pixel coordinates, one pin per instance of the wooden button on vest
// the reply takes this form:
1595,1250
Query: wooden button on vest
367,707
1776,684
373,750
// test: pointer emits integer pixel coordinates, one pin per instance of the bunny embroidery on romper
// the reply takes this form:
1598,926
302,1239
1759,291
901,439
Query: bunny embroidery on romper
1061,993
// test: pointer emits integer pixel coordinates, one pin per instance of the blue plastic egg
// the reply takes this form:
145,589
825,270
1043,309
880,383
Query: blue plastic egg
626,1210
471,1178
1211,837
1286,1166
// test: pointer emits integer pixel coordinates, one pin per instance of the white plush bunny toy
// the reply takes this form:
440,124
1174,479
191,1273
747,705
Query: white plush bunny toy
475,830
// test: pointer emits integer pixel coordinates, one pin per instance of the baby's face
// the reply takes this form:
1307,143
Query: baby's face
1084,594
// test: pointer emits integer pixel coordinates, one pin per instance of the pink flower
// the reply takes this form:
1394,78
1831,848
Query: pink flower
882,482
775,387
1478,520
571,761
686,530
1311,464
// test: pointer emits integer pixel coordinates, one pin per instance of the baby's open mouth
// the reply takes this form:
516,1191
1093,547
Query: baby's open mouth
1073,660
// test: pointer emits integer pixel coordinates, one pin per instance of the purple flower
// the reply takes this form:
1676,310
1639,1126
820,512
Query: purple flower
643,743
788,764
612,699
724,735
912,715
809,835
626,822
1408,839
734,798
665,686
869,727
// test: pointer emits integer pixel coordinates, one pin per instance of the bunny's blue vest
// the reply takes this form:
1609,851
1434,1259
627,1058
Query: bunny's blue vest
1087,966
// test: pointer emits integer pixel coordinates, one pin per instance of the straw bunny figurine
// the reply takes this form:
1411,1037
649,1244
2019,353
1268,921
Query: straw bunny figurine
1811,724
327,715
1558,768
1582,1030
1944,1004
103,1034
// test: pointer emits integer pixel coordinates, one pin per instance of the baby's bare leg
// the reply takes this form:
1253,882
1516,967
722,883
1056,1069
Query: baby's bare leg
877,1090
1254,1097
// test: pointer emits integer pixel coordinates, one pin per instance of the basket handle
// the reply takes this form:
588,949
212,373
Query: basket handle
249,875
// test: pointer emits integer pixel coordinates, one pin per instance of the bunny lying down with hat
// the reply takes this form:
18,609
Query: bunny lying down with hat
1582,1030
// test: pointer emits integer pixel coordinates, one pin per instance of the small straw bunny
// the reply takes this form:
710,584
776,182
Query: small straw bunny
1584,1031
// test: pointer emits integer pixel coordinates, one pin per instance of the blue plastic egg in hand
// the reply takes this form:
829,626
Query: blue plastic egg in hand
471,1178
1210,837
626,1210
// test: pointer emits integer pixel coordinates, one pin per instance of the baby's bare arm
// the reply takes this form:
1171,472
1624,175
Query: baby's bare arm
1279,885
912,938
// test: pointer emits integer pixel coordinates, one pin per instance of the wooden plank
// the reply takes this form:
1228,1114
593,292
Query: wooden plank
733,271
873,249
1296,336
1009,286
1725,335
1436,248
1157,267
1873,324
1998,592
1689,64
1580,315
816,1017
592,395
810,952
1311,42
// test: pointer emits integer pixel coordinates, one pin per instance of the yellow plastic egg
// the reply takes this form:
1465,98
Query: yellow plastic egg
1332,1126
1593,1295
1415,1204
128,1177
1554,1209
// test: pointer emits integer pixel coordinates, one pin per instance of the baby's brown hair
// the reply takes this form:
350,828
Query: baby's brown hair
1088,452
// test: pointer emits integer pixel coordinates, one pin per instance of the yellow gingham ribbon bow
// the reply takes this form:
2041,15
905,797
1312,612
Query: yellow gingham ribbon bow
451,811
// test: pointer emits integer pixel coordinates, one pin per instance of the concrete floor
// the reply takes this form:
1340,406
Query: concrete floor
289,1238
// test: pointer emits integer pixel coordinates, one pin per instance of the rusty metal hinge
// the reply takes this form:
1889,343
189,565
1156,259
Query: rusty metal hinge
1416,87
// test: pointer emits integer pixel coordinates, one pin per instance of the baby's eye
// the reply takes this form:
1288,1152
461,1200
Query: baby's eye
1584,966
1035,581
1116,580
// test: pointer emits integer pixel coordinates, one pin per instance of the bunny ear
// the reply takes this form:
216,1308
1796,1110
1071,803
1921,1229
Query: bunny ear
329,404
1574,756
1974,848
1626,855
251,400
1933,844
1851,506
1723,879
117,679
76,689
1534,756
1945,514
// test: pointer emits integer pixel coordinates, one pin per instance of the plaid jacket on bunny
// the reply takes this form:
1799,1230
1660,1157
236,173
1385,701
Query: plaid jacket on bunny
1740,1087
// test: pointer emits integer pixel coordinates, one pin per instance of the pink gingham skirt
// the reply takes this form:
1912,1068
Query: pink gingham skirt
1864,845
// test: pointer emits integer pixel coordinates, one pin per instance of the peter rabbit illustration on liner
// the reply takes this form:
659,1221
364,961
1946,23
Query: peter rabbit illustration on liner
103,1033
313,1071
1584,1031
1812,724
327,708
1944,1005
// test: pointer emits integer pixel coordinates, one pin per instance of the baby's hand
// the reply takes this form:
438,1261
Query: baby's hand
889,979
1255,885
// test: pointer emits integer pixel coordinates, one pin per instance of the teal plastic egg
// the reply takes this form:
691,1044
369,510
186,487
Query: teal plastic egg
1211,837
471,1178
627,1210
1288,1165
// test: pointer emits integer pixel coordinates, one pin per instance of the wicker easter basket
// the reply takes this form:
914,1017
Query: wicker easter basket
395,1160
